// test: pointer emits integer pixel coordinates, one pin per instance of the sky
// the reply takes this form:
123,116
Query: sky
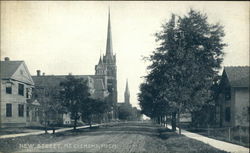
61,37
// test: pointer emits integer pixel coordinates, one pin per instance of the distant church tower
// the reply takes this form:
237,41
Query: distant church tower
127,94
107,66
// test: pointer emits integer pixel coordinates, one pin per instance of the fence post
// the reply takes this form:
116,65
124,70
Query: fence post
229,134
208,132
240,134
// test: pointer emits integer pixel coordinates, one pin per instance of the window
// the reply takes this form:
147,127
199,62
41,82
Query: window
20,89
9,89
8,110
227,114
110,81
20,110
28,112
110,88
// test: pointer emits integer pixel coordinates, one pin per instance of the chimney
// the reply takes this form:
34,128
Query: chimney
6,59
43,74
38,72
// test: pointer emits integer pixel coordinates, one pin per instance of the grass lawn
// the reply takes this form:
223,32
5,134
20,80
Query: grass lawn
14,130
183,144
223,136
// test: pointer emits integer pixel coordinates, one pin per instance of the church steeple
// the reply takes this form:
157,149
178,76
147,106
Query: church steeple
108,67
127,94
100,60
109,47
127,90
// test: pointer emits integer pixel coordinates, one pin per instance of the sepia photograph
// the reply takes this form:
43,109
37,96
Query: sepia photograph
124,76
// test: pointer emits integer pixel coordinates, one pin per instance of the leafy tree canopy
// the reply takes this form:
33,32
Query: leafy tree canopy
184,65
74,92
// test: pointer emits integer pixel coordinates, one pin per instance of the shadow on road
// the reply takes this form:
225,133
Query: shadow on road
165,133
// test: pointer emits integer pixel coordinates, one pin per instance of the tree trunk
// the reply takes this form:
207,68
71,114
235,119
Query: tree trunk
45,122
240,134
90,121
173,121
165,121
162,120
179,123
46,130
75,122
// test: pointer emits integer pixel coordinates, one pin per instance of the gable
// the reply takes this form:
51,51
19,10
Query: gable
224,82
98,84
8,68
22,74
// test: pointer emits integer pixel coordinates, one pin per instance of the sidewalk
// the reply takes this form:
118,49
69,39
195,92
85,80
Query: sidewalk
42,132
229,147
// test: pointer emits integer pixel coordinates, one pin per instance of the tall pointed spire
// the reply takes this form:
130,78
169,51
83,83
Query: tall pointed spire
127,89
127,94
109,47
100,60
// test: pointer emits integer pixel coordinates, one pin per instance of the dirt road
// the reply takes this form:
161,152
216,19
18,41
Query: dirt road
122,138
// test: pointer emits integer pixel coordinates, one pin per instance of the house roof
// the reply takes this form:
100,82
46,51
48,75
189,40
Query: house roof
238,76
48,81
8,68
53,80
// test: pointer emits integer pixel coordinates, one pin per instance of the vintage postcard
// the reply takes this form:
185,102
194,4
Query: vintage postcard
124,76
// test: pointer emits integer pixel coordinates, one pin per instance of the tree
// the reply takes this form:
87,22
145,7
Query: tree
206,116
145,97
124,112
187,60
100,108
74,92
151,102
49,104
93,107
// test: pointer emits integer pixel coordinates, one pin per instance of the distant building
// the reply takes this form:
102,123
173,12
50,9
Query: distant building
100,92
102,85
106,70
232,106
127,94
45,85
53,82
17,106
125,109
16,89
126,98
